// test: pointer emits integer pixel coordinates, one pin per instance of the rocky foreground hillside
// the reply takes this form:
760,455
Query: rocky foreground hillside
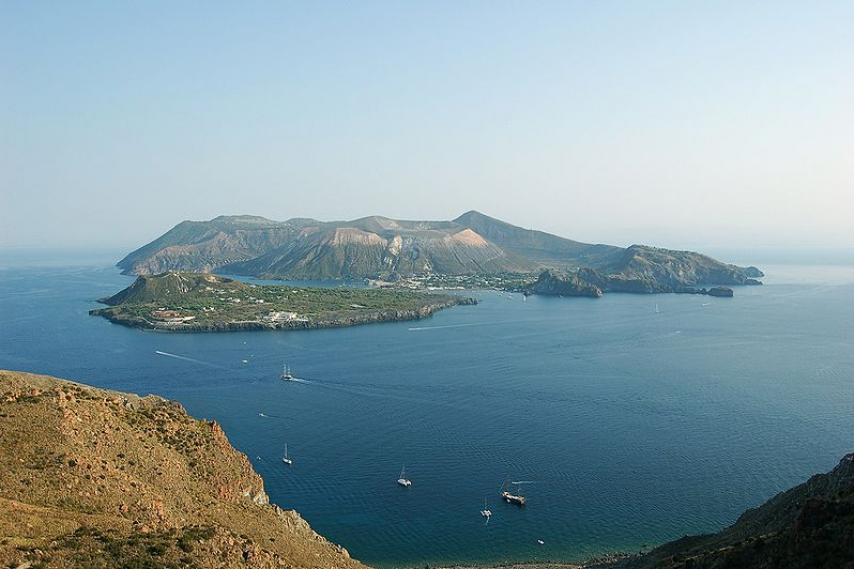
810,526
94,478
382,248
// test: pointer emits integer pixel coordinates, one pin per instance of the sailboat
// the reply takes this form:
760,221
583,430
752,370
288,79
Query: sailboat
485,512
286,373
286,459
656,308
403,480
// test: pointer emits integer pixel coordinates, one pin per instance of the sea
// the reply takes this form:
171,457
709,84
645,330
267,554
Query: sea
626,421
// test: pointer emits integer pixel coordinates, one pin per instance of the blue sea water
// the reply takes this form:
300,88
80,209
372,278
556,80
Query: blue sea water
633,426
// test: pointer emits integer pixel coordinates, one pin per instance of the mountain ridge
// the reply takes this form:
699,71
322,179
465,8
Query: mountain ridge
384,248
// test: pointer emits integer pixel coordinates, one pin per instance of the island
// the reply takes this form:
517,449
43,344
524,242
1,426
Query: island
203,302
470,252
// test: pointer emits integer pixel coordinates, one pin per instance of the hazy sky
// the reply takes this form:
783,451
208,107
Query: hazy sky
673,123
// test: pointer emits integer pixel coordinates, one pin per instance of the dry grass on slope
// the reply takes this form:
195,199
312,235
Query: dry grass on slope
102,479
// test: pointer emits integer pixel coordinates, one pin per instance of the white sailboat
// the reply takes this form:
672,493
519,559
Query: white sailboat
485,512
286,373
287,459
403,480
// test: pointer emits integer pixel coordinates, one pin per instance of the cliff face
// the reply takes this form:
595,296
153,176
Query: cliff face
204,246
98,478
622,282
352,253
808,526
545,249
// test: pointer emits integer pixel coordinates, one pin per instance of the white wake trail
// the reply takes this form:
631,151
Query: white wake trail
419,328
186,359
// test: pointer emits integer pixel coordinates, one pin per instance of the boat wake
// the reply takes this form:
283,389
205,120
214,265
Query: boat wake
421,328
266,416
186,359
466,325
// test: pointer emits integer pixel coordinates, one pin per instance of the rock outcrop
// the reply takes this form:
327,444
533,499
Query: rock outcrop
551,282
720,291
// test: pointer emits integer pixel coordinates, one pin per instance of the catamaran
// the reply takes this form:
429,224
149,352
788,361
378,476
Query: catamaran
286,373
403,480
286,459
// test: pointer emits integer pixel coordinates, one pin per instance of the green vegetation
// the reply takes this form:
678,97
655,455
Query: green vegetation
197,302
91,547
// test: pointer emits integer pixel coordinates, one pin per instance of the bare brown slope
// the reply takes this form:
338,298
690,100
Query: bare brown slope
103,479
